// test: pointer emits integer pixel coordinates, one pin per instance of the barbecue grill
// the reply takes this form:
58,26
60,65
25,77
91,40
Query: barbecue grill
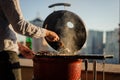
65,64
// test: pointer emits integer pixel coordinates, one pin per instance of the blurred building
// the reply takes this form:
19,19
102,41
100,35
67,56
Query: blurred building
94,42
112,45
37,21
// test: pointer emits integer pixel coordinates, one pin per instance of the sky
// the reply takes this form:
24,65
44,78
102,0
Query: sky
102,15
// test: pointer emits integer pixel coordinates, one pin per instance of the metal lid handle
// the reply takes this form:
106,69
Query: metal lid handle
59,4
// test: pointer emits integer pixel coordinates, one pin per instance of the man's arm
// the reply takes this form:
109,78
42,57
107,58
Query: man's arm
12,11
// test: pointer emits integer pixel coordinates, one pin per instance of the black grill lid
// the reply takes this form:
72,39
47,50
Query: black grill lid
69,27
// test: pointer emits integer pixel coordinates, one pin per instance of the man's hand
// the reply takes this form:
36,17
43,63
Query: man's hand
51,36
25,51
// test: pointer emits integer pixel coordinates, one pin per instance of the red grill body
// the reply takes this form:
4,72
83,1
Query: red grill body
57,69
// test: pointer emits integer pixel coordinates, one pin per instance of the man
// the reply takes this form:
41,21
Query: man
12,22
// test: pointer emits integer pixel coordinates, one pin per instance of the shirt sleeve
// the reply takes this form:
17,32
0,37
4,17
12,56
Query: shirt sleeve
13,14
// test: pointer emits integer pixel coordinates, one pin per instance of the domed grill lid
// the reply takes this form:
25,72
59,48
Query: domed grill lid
69,27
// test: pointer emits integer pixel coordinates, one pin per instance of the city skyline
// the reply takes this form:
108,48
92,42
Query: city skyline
94,43
22,38
100,15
